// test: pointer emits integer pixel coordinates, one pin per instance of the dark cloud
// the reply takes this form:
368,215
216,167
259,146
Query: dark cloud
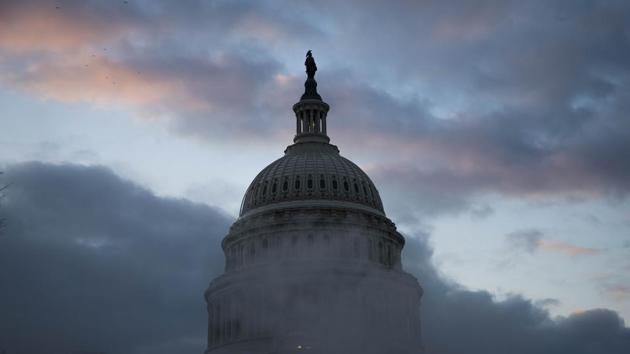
90,262
456,320
97,263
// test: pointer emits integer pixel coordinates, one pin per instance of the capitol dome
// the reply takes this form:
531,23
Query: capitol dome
313,263
311,172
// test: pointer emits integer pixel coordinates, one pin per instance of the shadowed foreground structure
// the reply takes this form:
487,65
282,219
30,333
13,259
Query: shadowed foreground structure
313,264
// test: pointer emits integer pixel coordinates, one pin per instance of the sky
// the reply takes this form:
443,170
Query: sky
496,132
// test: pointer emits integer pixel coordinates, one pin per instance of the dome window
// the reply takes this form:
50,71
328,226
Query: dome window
285,185
322,182
345,185
264,193
274,187
334,183
356,188
309,184
297,182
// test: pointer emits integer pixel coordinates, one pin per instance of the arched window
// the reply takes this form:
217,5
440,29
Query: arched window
322,182
264,192
309,183
285,185
274,187
297,182
334,183
345,185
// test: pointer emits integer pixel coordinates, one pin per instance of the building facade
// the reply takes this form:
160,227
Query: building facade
313,264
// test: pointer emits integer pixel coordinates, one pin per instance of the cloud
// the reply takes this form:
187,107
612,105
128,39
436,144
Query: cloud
619,292
132,55
524,100
533,240
97,263
528,240
546,303
93,263
567,248
456,320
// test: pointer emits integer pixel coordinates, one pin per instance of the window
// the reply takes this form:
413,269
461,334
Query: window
322,182
252,250
285,185
297,182
370,249
237,328
334,183
274,187
381,256
310,182
345,185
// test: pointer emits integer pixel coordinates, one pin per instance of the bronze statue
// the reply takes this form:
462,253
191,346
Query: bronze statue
311,68
310,86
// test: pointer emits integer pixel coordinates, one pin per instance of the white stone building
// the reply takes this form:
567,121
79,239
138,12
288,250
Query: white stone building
313,263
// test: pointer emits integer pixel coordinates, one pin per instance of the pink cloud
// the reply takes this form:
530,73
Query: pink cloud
618,292
566,248
95,80
49,26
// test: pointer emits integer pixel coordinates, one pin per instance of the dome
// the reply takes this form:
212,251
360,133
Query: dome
312,171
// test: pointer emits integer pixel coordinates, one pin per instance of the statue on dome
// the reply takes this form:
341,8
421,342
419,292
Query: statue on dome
311,68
